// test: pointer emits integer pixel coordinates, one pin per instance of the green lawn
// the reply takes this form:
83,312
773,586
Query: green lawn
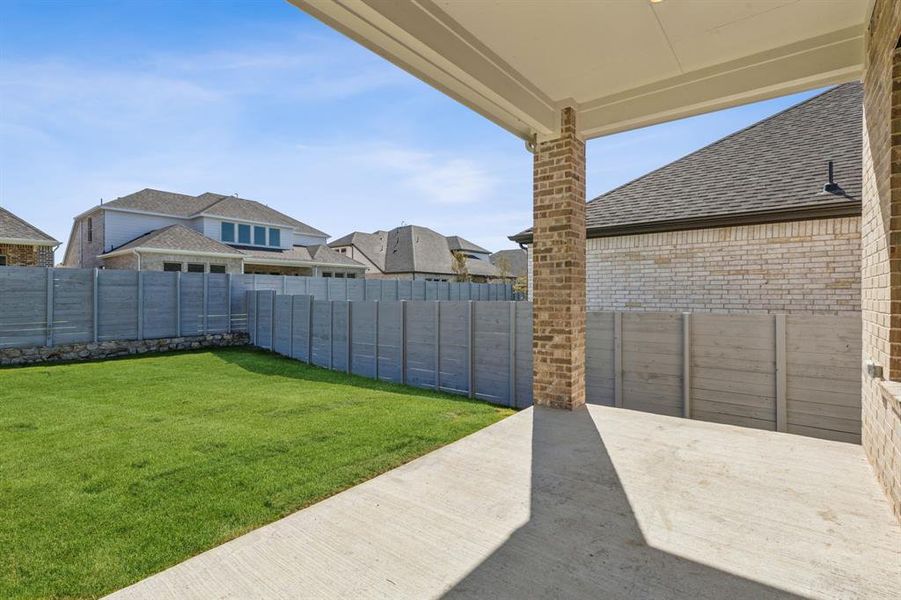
111,471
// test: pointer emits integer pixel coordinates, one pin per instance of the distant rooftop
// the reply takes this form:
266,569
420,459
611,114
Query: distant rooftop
15,228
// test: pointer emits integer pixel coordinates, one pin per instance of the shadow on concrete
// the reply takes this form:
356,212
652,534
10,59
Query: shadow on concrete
582,539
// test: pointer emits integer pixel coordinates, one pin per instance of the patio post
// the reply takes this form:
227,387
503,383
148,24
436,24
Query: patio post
558,269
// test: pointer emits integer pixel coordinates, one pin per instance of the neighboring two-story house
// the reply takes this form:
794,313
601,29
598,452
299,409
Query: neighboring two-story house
164,231
22,244
414,252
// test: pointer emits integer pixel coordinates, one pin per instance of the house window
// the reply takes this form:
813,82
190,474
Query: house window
228,232
90,230
167,266
217,268
275,237
339,275
2,261
351,275
259,236
326,274
196,268
243,234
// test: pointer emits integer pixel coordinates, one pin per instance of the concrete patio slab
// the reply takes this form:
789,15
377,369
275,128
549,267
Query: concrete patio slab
597,503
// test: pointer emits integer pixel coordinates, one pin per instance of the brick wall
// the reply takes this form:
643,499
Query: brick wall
27,255
154,262
558,289
881,252
83,253
797,267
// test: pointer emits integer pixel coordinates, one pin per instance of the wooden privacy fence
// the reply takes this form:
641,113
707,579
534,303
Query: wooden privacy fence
477,348
50,307
794,373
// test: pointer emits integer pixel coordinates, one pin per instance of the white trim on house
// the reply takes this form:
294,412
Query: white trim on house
171,251
29,242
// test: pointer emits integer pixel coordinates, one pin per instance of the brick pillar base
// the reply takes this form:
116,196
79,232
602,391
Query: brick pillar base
558,269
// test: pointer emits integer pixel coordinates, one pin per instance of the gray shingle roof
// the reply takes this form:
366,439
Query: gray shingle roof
14,228
413,248
455,242
177,238
317,254
776,165
210,204
517,261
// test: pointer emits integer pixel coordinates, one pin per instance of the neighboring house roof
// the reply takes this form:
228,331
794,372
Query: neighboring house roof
415,249
316,254
13,229
772,170
208,204
517,261
177,239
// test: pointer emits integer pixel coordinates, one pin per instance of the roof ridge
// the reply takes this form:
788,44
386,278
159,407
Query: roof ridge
720,141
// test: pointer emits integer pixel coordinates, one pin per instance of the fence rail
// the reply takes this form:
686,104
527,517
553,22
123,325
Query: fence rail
50,307
793,373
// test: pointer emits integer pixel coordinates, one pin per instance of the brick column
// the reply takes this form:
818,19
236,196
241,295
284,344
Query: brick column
558,269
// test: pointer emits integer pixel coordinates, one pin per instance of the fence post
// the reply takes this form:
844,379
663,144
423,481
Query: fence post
284,285
437,342
206,302
228,303
272,325
618,359
376,352
512,337
140,305
178,306
96,301
470,340
403,341
781,408
48,314
309,329
686,365
349,336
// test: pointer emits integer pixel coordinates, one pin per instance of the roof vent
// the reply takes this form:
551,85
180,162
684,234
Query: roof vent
831,187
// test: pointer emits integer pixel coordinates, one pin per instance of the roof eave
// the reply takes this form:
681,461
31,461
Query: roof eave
833,210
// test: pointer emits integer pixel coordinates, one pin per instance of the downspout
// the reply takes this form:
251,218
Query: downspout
138,256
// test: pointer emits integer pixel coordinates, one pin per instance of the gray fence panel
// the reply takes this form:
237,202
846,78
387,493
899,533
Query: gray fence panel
23,306
454,355
600,379
301,327
268,283
523,354
823,376
337,288
159,303
118,305
374,289
364,324
252,321
652,362
264,317
492,351
296,286
281,342
217,303
239,285
390,341
318,288
420,351
322,333
340,323
733,363
192,304
356,289
73,306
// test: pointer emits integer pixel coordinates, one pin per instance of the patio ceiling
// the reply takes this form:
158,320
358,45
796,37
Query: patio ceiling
622,64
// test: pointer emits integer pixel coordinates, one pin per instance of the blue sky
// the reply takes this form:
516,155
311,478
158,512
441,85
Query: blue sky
101,99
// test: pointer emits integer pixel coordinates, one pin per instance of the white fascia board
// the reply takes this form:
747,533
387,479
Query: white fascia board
173,251
28,242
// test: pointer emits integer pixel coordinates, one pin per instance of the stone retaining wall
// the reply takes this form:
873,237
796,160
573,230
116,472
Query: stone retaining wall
98,350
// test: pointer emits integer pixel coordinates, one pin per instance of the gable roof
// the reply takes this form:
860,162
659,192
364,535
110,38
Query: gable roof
15,228
455,242
413,248
208,204
517,261
316,254
772,170
176,238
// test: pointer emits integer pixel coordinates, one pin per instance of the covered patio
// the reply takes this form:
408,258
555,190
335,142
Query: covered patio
595,503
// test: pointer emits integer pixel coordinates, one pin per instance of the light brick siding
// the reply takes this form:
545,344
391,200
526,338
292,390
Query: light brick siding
797,267
154,262
881,230
84,253
27,255
558,300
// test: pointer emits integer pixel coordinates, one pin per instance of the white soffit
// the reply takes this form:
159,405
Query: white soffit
622,63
